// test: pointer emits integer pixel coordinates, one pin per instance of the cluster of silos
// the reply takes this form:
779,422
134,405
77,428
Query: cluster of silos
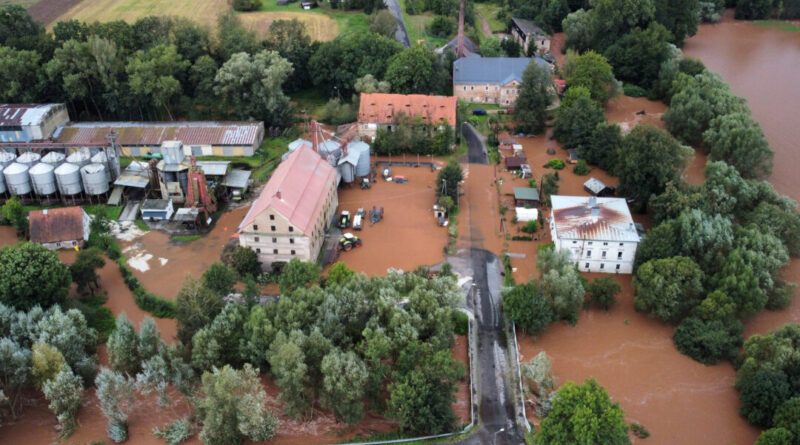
6,158
355,163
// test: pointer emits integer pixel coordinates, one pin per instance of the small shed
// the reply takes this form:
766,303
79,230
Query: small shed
514,162
518,150
525,215
157,209
526,197
507,142
189,217
597,188
572,156
64,228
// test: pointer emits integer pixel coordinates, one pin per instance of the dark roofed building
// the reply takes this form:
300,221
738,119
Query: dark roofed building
526,196
526,33
495,80
514,162
64,228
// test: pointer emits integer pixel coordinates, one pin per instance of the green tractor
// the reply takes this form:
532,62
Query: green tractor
348,241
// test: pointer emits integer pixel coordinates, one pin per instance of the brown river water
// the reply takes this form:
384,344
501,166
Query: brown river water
681,401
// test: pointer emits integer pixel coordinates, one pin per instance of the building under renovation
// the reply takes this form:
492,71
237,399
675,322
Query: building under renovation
598,232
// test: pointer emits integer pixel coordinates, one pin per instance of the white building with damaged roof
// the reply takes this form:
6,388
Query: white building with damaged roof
599,232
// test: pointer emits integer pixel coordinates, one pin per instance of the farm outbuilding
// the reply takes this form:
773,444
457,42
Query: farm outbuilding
514,162
598,188
157,209
526,197
30,122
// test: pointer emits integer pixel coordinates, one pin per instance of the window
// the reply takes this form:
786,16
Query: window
291,240
58,245
620,244
619,255
275,251
255,238
291,229
617,266
496,88
602,266
588,254
293,252
255,228
605,244
465,88
273,228
258,250
272,217
487,87
604,254
274,240
574,242
586,266
590,243
471,88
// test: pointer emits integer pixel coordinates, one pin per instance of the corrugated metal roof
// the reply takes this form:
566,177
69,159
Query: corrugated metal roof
608,219
24,114
214,168
151,134
155,204
595,185
186,214
302,181
54,225
384,108
495,70
135,175
237,178
526,193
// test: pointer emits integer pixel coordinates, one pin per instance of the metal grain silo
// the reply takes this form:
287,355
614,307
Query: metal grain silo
6,158
80,157
68,178
29,158
54,158
43,179
95,179
363,166
17,179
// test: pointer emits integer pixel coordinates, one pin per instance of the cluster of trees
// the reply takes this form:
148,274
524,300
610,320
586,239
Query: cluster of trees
768,380
51,351
495,47
415,136
558,294
447,182
715,258
704,112
764,9
346,342
147,69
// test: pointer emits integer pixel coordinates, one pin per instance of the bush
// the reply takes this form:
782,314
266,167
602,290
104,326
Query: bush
441,26
634,91
530,226
639,430
155,305
581,168
336,112
246,5
708,341
545,247
176,432
460,323
522,238
555,164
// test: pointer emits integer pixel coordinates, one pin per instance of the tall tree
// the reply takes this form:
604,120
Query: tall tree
20,73
534,98
291,40
613,19
577,120
738,140
448,179
527,308
30,275
344,382
64,393
84,269
583,414
219,278
668,288
416,70
115,392
195,307
233,37
592,71
123,350
154,73
680,17
561,284
15,366
637,56
252,86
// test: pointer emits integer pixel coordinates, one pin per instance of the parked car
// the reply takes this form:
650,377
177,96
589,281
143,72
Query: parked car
478,112
306,4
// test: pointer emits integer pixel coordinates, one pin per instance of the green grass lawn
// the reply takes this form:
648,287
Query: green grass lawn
348,21
186,238
779,25
312,100
416,27
489,12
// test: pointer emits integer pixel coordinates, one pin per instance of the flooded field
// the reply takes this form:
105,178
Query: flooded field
408,235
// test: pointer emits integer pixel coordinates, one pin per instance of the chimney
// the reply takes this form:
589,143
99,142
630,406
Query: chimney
278,194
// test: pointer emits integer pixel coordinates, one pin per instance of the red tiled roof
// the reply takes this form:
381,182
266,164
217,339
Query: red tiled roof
190,133
303,180
514,162
383,108
54,225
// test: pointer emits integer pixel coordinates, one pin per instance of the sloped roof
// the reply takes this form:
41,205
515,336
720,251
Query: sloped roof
303,181
590,218
55,225
526,193
470,47
383,108
595,185
25,114
528,27
499,70
514,161
154,133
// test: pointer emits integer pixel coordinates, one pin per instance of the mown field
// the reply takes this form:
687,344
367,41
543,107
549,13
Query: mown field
319,26
202,11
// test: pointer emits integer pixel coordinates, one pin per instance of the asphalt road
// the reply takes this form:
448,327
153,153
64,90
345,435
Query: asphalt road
401,34
496,403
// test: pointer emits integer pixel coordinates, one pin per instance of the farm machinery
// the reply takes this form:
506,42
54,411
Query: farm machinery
344,219
349,241
375,215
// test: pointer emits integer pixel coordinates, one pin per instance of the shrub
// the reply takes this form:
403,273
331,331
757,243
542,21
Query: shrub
460,323
555,164
581,168
545,247
337,112
530,226
155,305
176,432
441,26
639,430
522,238
246,5
633,90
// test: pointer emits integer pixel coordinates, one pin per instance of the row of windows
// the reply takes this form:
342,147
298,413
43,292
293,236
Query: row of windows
274,240
472,88
273,228
605,244
602,266
275,251
589,254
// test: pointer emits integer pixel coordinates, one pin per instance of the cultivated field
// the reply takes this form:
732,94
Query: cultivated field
202,11
319,27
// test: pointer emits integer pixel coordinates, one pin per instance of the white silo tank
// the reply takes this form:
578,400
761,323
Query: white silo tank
363,165
95,179
17,179
54,158
6,158
68,178
80,157
29,158
43,179
99,158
